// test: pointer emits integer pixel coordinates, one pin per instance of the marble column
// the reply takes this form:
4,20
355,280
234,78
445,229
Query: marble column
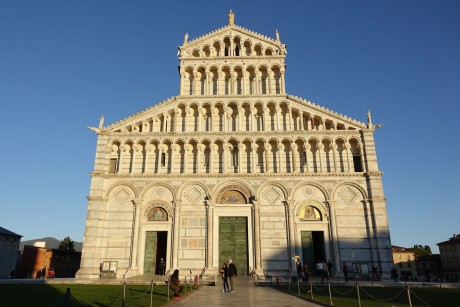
257,238
294,157
334,235
282,158
267,158
278,121
320,156
209,231
175,231
137,204
291,234
335,157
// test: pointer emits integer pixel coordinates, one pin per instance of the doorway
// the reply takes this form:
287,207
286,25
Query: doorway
233,242
155,249
312,248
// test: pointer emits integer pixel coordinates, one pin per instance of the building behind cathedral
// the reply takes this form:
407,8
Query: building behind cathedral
234,167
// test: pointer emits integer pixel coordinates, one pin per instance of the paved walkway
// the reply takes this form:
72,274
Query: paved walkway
247,293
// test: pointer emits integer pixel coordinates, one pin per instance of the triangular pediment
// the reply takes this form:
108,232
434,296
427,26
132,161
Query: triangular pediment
233,33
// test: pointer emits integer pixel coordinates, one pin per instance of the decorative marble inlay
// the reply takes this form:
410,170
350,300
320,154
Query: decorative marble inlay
194,195
308,191
122,195
348,195
159,192
272,195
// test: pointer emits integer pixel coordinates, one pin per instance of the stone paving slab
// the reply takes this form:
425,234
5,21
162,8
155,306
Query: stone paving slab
247,293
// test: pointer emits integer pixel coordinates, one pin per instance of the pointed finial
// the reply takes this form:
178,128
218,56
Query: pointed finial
369,118
101,121
231,18
277,35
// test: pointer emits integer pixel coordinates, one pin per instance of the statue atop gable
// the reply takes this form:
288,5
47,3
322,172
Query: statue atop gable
231,18
185,38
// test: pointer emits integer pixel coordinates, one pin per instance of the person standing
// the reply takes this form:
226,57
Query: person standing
174,284
345,271
162,266
300,271
224,274
232,273
329,267
306,271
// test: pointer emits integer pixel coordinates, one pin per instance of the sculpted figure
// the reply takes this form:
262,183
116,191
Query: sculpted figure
231,18
185,38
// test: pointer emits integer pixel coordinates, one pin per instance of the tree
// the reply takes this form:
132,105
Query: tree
66,245
420,250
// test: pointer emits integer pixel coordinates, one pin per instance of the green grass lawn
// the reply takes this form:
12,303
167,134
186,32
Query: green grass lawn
48,295
346,296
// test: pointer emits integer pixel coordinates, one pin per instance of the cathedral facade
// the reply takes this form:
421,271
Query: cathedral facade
234,167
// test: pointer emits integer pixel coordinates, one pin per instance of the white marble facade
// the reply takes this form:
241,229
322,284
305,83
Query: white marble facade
234,143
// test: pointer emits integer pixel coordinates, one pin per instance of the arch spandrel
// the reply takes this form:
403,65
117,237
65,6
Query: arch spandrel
193,194
348,193
158,191
272,194
310,190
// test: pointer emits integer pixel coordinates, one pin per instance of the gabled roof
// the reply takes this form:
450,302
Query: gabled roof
4,231
295,101
228,28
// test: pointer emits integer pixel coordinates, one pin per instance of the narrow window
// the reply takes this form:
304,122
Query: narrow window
163,159
357,164
264,86
113,166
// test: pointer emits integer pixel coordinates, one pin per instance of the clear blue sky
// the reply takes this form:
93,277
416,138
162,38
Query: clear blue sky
64,63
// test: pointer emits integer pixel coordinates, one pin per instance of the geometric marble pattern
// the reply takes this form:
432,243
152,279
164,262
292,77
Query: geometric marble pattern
121,195
348,195
272,195
194,195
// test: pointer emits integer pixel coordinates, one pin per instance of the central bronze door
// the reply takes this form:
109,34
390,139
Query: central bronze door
233,242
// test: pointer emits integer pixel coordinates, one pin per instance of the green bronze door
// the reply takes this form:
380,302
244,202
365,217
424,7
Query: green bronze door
308,252
150,252
233,242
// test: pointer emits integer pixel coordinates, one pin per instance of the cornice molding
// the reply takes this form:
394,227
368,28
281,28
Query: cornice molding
176,176
374,174
236,134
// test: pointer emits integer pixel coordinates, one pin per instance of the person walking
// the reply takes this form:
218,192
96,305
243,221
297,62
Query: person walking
324,272
345,271
162,266
300,271
174,284
224,274
232,273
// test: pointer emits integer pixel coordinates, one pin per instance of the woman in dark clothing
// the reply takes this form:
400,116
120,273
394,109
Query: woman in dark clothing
224,274
174,284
